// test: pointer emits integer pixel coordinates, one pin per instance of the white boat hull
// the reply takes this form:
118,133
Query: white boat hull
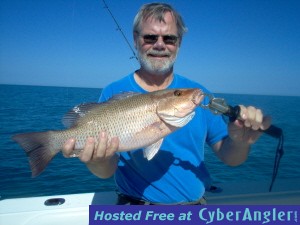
74,209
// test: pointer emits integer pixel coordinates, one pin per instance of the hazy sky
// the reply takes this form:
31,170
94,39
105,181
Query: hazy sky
232,46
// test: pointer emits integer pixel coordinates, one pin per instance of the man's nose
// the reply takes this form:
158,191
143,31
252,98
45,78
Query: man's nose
160,44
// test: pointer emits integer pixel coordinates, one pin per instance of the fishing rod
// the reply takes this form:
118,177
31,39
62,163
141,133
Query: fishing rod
120,29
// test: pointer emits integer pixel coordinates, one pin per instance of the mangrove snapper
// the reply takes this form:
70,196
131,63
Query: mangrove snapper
138,120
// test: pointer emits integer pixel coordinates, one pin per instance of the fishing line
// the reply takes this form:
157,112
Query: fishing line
121,31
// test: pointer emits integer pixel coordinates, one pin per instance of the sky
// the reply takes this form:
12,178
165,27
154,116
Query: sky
232,46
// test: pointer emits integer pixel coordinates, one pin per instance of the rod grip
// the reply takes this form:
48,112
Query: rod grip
273,131
234,112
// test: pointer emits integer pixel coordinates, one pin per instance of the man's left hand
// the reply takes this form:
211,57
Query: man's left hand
249,125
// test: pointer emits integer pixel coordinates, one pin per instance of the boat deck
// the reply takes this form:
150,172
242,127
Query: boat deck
74,209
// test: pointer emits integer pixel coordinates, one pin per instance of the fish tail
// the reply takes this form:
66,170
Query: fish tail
38,148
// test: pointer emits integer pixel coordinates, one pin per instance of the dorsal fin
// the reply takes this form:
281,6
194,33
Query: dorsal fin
79,111
123,95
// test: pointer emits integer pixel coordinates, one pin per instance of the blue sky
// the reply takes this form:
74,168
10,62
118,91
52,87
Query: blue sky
232,46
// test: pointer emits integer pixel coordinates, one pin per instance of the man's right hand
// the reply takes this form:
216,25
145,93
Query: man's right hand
100,157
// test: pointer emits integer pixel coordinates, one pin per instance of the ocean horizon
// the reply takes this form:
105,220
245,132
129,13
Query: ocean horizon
217,93
26,108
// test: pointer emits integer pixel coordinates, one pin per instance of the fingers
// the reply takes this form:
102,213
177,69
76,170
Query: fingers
253,118
102,146
114,145
87,154
93,150
68,147
99,151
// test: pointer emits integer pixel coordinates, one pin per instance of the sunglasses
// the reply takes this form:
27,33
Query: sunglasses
152,39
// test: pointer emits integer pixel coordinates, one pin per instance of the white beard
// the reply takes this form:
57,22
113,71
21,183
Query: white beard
159,67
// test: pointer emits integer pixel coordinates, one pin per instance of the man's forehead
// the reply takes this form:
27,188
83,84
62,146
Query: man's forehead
163,24
167,17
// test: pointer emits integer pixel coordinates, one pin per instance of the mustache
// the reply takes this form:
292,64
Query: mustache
158,53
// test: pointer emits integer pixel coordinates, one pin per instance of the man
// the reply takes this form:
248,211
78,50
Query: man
176,175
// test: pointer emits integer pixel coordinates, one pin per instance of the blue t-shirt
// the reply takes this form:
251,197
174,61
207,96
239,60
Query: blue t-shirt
176,173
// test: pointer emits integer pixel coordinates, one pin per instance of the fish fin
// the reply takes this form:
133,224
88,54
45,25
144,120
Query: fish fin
151,150
123,95
176,121
72,117
79,111
37,148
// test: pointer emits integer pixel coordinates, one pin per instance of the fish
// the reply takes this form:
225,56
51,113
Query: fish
140,121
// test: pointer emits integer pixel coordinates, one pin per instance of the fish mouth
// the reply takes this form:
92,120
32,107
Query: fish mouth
197,97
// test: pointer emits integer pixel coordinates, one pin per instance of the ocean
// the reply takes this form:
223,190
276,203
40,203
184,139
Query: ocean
37,108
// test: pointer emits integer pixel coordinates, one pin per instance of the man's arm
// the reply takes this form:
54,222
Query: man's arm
243,132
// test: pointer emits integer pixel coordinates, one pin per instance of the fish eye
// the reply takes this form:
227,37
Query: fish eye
177,93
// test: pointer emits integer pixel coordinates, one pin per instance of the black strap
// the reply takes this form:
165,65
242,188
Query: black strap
278,156
273,131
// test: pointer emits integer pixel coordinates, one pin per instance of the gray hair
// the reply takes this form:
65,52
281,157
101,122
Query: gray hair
157,11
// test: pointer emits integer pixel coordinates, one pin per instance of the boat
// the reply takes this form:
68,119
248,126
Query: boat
73,209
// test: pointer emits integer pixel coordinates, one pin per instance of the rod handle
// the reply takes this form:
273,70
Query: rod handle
234,112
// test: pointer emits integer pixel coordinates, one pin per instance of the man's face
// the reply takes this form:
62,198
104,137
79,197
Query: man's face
157,44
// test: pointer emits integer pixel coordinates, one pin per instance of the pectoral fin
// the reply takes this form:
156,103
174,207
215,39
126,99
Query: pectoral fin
150,151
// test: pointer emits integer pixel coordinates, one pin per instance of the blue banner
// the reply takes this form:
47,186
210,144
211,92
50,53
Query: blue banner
194,214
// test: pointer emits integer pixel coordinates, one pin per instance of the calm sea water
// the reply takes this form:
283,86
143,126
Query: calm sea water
34,108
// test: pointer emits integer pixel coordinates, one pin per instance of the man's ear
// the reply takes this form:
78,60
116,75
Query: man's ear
135,38
180,40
